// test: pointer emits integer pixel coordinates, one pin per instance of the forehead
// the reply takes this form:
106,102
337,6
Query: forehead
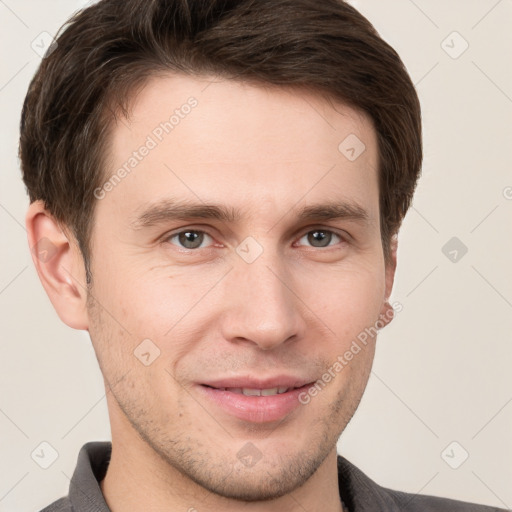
249,146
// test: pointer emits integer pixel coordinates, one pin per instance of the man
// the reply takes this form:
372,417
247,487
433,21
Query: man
216,189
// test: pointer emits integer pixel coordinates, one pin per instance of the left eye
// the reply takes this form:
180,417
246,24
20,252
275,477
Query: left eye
322,237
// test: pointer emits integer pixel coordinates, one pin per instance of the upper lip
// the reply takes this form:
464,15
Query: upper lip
241,381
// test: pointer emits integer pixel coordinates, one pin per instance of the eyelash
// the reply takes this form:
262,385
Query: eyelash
168,237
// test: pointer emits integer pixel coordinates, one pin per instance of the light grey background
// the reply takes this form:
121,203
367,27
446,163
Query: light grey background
442,368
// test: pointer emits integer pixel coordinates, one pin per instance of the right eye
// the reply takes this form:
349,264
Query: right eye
187,239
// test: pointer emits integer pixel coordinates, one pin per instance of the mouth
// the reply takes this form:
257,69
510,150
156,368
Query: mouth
257,392
255,404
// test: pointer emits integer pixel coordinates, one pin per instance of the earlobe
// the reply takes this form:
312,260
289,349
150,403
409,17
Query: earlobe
59,264
387,314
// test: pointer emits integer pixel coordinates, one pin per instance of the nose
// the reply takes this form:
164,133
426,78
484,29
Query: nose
262,305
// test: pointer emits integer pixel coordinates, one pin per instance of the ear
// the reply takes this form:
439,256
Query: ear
387,311
59,264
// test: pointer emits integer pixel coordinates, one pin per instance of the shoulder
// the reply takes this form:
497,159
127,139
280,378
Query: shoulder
362,494
408,502
61,505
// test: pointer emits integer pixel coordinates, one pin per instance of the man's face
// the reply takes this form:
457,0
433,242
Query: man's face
264,300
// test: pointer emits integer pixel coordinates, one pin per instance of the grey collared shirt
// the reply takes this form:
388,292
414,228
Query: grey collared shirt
358,492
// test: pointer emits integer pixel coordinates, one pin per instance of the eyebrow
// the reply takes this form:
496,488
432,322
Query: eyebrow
168,210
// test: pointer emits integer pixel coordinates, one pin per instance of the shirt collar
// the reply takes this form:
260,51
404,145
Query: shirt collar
84,489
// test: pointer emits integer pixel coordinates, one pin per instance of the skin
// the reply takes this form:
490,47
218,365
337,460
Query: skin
294,310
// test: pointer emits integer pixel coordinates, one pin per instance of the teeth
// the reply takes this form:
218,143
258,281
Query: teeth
268,392
251,392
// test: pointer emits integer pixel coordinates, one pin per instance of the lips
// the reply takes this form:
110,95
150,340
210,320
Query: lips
255,400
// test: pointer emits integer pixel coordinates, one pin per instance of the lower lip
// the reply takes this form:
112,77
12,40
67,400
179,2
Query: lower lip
257,409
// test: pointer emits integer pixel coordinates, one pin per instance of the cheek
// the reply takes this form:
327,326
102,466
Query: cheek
161,304
350,309
143,298
349,299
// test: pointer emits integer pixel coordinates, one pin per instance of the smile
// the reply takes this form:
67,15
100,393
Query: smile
255,405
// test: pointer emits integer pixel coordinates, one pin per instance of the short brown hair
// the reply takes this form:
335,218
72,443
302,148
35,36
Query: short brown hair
107,50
